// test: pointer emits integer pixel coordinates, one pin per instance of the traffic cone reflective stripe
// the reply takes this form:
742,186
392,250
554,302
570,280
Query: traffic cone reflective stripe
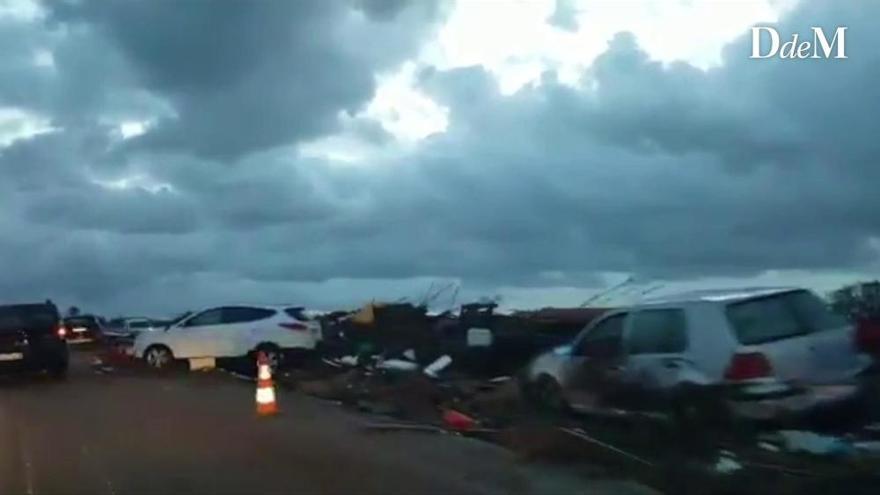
265,396
266,405
264,372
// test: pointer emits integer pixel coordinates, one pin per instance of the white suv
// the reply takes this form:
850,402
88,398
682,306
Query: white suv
755,353
231,331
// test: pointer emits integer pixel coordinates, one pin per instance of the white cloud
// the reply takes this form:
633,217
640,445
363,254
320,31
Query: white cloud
138,181
404,111
132,128
515,42
18,124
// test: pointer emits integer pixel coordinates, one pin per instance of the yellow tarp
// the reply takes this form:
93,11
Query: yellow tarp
366,316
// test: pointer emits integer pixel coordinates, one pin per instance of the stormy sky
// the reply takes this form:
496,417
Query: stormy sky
157,156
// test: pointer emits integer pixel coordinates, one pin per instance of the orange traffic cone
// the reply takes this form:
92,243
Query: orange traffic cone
266,405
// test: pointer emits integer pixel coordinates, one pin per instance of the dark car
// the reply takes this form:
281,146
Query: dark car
83,328
32,338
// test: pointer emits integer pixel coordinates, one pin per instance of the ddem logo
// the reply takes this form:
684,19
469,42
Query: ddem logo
819,47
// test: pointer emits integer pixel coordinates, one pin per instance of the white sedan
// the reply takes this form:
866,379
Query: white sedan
231,331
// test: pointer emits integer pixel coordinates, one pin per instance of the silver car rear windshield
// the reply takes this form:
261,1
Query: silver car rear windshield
780,316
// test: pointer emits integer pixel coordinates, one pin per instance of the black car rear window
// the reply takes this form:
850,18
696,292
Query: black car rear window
15,317
780,316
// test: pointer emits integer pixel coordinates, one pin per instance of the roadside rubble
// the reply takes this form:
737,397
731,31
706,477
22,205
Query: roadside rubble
480,340
452,402
812,443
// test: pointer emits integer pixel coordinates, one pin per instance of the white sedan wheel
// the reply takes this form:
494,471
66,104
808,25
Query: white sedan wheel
158,357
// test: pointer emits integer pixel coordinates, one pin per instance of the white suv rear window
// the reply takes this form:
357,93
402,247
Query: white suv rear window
780,316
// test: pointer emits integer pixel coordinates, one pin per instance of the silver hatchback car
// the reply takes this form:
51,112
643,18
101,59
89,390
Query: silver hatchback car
767,353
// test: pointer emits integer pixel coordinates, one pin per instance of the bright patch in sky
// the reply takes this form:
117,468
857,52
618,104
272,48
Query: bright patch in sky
132,129
515,42
135,181
404,111
17,124
523,43
21,9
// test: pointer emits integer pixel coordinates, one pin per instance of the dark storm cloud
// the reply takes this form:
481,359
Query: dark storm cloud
381,9
134,210
669,170
660,169
243,76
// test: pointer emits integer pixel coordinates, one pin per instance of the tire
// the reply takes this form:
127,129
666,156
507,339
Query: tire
548,395
694,407
697,417
158,357
273,354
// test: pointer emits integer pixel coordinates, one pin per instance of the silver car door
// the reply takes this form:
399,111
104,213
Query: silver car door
655,342
596,364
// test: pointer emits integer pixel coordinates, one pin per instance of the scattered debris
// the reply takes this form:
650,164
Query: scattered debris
813,443
479,337
769,446
869,448
349,360
202,364
403,427
873,427
240,376
437,366
579,433
397,365
503,402
339,387
727,463
377,407
458,421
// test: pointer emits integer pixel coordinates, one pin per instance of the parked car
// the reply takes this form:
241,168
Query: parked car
231,331
32,338
83,328
752,354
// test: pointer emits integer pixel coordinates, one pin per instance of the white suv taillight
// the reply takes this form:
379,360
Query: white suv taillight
748,366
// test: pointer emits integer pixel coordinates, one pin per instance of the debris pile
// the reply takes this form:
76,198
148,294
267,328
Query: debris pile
480,340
